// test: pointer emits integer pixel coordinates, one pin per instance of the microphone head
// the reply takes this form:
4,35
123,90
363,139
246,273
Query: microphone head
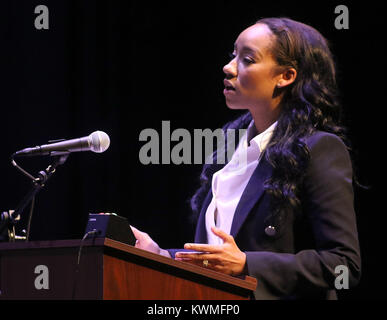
99,141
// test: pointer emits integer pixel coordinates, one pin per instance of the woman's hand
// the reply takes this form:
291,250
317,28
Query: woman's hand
145,242
226,258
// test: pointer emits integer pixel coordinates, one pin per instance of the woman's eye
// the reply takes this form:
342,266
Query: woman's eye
245,60
248,60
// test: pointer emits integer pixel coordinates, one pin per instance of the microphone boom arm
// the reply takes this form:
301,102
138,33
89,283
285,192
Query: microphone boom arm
37,185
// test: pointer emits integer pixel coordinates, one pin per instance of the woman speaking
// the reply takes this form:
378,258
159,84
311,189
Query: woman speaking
288,217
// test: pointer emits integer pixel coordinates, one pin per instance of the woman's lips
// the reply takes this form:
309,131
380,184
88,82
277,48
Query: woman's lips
228,91
228,87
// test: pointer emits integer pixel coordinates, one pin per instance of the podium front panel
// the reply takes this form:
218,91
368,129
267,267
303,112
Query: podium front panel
48,270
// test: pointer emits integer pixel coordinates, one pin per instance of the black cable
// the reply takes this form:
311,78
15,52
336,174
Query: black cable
30,218
93,232
22,170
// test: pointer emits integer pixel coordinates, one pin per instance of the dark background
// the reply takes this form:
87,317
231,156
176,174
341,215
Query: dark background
123,66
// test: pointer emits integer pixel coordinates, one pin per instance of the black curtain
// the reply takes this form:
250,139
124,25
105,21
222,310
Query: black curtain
124,66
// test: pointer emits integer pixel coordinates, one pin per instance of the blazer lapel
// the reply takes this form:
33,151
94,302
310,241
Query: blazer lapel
251,194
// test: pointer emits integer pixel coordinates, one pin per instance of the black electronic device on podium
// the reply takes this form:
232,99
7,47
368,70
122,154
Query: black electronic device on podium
112,226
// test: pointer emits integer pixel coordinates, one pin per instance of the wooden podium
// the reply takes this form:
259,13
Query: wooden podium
109,270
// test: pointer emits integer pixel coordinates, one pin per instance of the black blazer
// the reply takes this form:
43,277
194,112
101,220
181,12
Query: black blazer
299,261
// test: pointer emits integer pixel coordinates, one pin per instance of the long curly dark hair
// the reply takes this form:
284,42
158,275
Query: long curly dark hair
310,103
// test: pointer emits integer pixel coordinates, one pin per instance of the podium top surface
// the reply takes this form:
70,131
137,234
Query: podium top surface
246,282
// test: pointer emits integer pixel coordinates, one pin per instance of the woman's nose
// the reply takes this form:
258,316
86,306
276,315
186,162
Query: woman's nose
230,69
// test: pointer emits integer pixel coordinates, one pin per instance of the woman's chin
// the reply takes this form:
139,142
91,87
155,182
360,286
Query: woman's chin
234,106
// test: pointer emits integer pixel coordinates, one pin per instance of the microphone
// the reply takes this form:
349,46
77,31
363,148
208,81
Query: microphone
97,141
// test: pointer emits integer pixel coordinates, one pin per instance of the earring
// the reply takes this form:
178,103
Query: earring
279,85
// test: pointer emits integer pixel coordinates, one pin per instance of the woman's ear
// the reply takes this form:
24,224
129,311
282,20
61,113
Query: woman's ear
287,77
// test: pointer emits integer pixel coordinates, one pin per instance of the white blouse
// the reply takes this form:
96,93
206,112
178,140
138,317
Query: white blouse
229,183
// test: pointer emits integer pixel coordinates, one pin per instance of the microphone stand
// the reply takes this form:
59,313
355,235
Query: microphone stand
37,184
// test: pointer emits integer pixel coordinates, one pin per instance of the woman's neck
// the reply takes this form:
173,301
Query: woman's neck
264,117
